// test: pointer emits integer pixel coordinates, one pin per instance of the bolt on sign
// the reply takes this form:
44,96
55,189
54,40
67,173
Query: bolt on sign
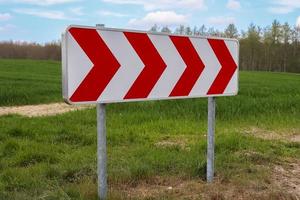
103,65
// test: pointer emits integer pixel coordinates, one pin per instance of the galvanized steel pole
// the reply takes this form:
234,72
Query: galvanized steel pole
101,152
101,147
211,139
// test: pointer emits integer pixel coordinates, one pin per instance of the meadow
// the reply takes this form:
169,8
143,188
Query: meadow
152,146
29,82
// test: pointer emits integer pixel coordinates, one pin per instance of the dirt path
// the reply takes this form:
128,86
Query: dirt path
292,135
41,109
287,177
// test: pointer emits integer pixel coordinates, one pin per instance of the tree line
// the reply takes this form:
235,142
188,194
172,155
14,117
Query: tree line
28,50
271,48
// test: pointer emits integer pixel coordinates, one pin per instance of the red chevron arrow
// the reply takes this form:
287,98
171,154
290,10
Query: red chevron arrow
194,66
105,64
227,63
154,65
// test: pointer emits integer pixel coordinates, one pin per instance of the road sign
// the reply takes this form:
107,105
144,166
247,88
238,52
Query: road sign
103,65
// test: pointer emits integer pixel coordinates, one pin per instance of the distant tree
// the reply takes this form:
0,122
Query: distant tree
276,32
188,31
272,48
276,38
166,29
268,42
294,62
202,30
231,31
154,28
286,33
196,31
180,30
49,51
286,37
212,32
251,48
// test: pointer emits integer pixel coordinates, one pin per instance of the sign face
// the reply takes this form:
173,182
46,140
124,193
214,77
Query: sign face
102,65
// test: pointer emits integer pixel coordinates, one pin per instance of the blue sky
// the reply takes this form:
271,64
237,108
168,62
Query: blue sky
45,20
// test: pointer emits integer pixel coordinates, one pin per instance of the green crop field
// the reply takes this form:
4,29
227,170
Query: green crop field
152,146
29,82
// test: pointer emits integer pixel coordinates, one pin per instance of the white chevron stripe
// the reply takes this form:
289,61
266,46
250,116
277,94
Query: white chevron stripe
211,70
80,63
131,65
233,49
174,62
232,86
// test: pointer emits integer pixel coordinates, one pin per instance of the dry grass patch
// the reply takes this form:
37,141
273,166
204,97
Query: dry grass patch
287,177
172,143
291,135
282,184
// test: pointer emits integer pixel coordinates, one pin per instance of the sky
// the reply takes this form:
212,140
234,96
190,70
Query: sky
45,20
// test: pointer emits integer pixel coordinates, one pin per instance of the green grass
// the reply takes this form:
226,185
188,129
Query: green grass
29,82
55,157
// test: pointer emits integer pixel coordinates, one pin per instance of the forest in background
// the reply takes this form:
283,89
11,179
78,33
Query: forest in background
271,48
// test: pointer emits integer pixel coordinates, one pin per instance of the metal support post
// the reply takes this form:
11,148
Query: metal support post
101,152
211,139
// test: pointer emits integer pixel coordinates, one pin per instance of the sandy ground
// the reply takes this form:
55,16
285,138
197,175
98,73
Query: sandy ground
288,177
41,109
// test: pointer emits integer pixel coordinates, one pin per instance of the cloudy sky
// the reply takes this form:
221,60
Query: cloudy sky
45,20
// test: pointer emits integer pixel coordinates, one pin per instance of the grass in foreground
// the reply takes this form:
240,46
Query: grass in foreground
55,157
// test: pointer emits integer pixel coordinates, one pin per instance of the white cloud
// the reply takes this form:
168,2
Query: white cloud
5,16
161,4
233,5
163,18
298,22
49,14
77,11
221,20
45,2
112,14
284,6
39,2
7,27
280,10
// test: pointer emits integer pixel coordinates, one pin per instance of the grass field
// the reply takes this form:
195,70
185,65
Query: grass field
29,82
151,145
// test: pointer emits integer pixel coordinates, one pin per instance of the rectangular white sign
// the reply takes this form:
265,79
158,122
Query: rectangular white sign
102,65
